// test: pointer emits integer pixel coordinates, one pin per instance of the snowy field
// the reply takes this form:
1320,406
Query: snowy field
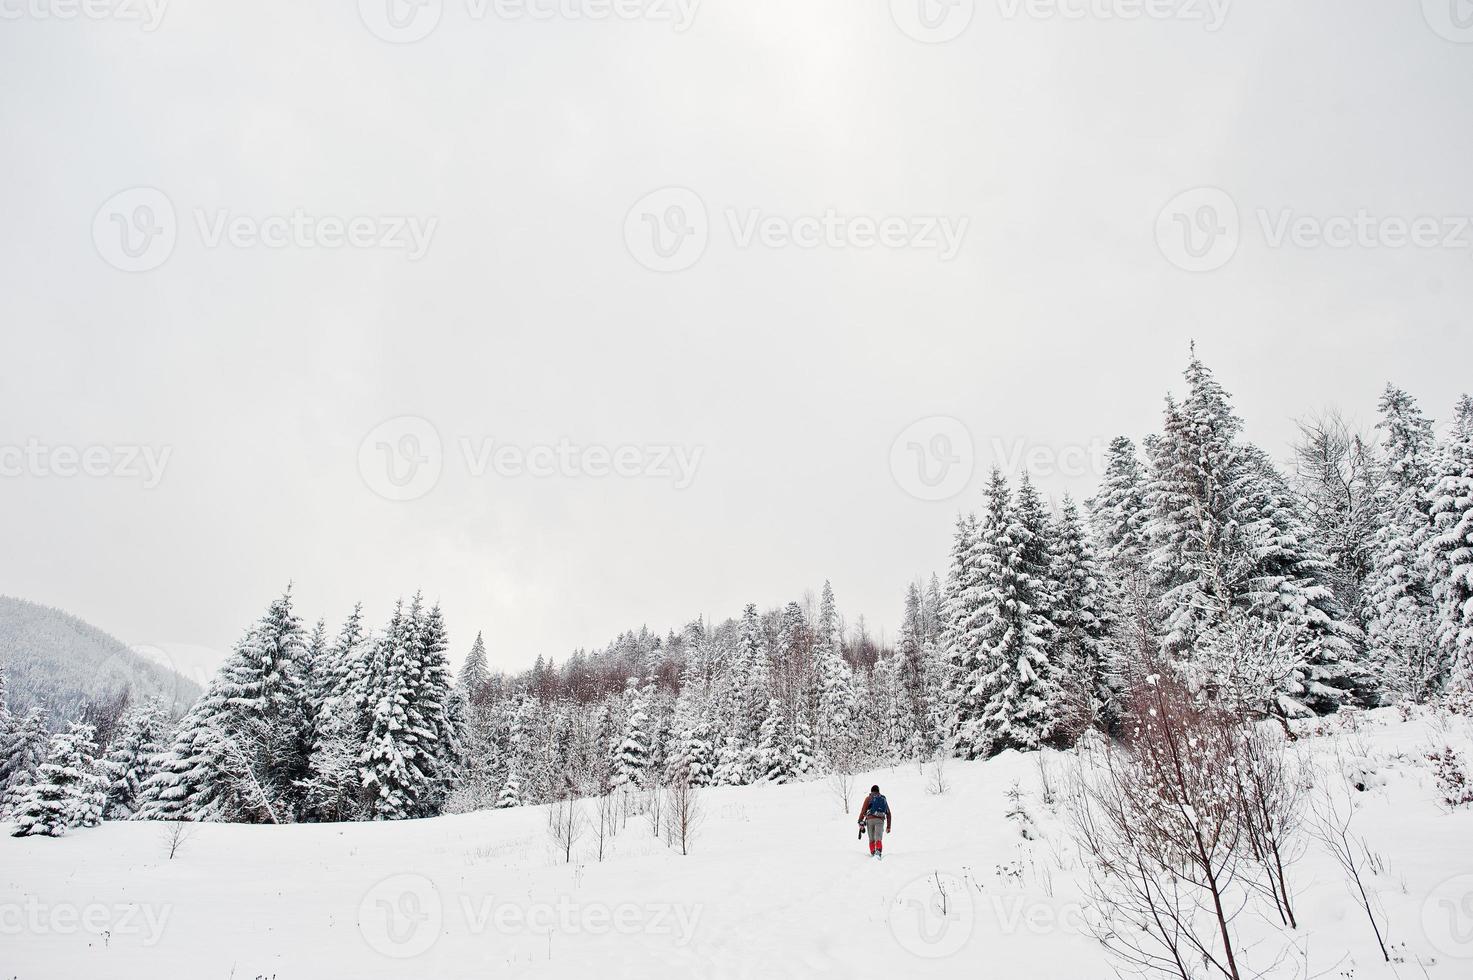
776,885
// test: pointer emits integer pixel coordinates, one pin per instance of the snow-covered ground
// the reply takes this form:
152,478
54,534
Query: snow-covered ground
776,885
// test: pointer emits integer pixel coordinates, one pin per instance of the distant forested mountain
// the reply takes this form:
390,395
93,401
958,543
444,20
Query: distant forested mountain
70,668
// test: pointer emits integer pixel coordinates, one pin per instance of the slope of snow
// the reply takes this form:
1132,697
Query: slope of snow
776,886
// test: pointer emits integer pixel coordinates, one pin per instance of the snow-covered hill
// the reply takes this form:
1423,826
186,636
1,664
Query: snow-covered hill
776,885
59,663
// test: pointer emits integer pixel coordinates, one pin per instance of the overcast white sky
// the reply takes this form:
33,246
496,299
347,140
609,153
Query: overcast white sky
521,149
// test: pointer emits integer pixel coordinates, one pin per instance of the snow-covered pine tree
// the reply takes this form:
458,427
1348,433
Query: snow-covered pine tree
7,720
475,674
915,687
1023,681
67,792
805,752
836,701
1120,512
240,754
971,606
632,767
775,750
24,752
1227,538
511,793
331,790
1448,549
1397,608
430,711
389,761
1084,613
133,758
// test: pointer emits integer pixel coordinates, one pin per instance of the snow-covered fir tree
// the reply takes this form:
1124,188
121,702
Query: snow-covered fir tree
24,751
1397,606
67,791
1022,682
133,758
1084,612
1448,549
1227,538
775,761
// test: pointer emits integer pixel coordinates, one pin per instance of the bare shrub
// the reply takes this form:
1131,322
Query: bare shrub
176,835
936,784
606,820
683,815
1331,812
1159,828
1271,805
565,826
654,805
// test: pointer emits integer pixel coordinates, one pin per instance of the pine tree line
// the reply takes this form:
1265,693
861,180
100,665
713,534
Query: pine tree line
1346,581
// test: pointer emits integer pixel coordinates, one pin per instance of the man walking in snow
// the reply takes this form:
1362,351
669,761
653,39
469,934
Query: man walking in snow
874,817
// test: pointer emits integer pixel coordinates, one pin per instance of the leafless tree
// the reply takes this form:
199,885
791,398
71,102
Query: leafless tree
566,826
683,815
606,820
1331,812
1271,805
937,784
1159,828
841,777
176,835
655,804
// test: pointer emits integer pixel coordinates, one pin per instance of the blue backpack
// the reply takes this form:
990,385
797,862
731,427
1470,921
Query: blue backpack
877,807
